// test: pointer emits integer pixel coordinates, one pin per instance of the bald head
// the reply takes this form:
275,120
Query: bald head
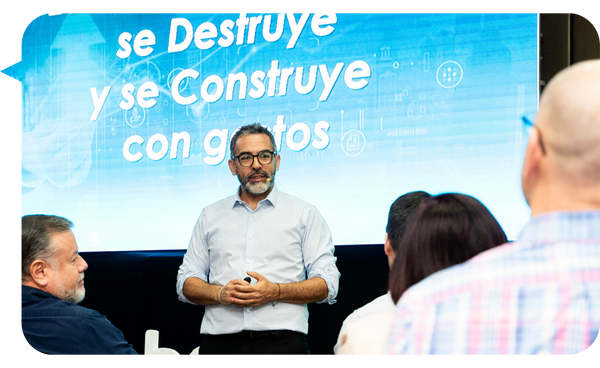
569,117
567,168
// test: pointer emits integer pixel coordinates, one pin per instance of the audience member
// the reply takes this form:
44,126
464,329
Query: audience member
399,214
446,230
539,294
52,285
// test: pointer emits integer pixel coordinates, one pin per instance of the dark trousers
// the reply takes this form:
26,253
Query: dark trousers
255,342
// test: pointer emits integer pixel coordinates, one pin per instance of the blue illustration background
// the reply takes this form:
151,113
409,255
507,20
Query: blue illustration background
440,112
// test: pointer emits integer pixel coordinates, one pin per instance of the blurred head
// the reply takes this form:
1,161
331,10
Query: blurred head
446,230
50,258
400,212
561,169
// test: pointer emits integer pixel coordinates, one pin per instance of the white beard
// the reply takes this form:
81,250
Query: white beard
74,295
259,187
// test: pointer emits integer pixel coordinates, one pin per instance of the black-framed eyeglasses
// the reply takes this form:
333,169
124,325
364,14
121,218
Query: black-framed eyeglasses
247,159
529,124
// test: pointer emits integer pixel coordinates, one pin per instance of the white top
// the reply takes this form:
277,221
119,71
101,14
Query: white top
368,335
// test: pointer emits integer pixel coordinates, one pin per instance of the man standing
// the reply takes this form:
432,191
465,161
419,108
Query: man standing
52,285
540,293
278,240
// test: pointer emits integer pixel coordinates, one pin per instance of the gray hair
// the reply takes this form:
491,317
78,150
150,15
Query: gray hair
35,239
245,130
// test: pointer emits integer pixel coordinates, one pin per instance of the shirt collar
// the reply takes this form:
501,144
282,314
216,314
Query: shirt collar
272,198
563,225
30,291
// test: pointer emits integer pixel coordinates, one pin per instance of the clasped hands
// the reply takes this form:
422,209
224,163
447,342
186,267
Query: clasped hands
241,294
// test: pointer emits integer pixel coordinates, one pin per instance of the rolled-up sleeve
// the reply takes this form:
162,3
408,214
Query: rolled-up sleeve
318,251
195,261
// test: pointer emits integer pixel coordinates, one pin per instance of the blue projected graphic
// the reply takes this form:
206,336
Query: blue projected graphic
127,117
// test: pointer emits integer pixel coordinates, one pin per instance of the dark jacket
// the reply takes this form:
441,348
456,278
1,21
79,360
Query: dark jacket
54,326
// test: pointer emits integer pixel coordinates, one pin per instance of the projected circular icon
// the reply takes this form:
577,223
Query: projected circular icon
198,112
182,85
87,207
135,116
353,142
93,239
449,74
142,72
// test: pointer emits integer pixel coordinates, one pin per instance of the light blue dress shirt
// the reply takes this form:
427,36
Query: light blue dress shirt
285,239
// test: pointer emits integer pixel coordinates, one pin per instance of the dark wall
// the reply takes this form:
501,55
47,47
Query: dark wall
136,292
565,39
585,44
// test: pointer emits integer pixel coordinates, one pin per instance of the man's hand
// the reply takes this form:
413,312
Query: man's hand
244,295
226,293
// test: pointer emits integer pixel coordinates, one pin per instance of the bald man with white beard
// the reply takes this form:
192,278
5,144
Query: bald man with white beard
541,293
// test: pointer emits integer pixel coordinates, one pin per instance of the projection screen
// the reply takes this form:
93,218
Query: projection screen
127,117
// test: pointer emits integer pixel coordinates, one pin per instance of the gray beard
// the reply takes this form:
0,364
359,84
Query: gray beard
73,296
258,188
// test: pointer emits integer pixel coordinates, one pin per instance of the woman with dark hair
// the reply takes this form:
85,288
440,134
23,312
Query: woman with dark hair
446,230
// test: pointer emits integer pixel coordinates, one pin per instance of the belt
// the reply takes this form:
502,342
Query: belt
247,335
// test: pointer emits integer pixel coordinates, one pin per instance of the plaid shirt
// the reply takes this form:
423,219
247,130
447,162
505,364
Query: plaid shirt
540,294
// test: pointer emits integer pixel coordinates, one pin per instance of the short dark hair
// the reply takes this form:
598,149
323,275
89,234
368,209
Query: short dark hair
35,239
400,212
446,230
245,130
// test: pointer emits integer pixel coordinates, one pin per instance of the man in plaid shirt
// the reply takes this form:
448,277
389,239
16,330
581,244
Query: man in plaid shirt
541,293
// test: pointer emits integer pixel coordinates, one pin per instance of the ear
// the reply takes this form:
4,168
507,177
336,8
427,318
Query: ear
277,160
232,167
40,272
389,251
531,164
387,247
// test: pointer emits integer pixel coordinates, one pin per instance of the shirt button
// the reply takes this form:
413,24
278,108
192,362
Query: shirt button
247,310
250,237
